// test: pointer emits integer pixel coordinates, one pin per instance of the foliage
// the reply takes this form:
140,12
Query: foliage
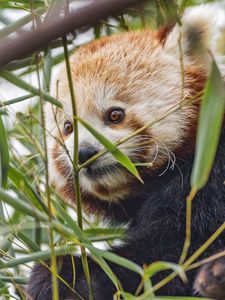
32,214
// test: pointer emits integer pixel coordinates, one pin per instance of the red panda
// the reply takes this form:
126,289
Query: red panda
122,82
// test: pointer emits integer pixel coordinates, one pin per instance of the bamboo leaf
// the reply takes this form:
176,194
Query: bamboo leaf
105,267
15,279
22,206
26,209
22,184
96,255
5,244
127,296
16,100
12,27
4,155
177,298
40,255
63,213
27,241
3,289
210,123
172,11
117,259
9,76
97,252
104,231
104,234
114,150
159,266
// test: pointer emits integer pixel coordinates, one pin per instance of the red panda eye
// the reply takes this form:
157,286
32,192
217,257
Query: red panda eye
68,128
115,115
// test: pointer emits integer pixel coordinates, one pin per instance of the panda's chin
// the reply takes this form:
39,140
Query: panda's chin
96,173
108,183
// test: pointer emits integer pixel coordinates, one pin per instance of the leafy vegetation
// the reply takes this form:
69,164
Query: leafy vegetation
33,217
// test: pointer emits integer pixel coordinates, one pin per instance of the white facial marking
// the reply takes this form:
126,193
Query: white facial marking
133,71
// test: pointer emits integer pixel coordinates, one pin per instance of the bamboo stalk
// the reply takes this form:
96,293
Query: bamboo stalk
55,291
75,166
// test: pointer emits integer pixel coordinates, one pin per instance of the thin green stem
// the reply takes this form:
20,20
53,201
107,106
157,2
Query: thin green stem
48,192
16,80
35,142
16,100
206,260
12,27
171,110
198,252
187,263
187,242
75,166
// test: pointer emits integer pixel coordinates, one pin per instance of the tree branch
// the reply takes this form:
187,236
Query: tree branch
29,41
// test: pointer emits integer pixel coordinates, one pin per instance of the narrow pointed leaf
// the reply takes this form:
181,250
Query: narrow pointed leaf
27,209
210,123
9,76
114,150
22,184
177,298
117,259
15,100
5,243
127,296
4,155
43,254
15,279
14,26
159,266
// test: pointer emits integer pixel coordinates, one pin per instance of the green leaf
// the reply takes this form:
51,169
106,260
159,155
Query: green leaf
104,231
159,266
210,123
127,296
171,8
43,255
28,87
148,285
15,100
22,184
178,298
103,234
115,151
4,155
27,241
5,243
27,209
22,206
15,279
73,225
4,290
184,4
117,259
14,26
98,254
105,267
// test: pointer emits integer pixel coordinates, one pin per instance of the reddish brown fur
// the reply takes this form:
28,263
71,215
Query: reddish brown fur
195,81
108,65
164,31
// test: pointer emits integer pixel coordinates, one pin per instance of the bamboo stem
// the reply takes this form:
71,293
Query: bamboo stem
48,192
75,166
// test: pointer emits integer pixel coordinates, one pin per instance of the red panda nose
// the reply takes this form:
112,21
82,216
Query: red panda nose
86,153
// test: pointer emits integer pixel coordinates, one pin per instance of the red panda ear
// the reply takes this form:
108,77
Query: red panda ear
164,31
197,34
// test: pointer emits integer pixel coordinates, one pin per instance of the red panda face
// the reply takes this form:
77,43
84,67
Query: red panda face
121,83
